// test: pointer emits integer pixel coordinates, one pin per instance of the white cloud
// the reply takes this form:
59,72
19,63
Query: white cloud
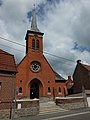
63,23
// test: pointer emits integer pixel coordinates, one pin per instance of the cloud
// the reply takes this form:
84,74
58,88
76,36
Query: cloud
66,24
14,24
1,2
81,26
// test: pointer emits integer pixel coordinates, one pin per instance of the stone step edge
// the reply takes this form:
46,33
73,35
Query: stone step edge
50,106
51,109
50,112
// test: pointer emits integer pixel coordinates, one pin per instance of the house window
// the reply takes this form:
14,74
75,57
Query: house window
20,90
33,44
49,91
59,90
37,44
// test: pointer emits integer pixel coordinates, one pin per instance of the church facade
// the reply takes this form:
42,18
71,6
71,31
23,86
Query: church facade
35,77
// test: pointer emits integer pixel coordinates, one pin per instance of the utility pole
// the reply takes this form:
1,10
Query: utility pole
12,98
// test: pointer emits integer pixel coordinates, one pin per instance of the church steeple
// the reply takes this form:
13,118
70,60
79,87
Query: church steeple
34,22
34,38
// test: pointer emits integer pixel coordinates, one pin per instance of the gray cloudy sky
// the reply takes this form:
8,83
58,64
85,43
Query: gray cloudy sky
66,27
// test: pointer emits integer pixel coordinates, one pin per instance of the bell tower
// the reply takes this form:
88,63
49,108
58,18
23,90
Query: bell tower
34,38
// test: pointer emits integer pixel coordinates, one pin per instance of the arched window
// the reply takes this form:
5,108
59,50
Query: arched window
37,44
20,90
33,44
59,90
49,91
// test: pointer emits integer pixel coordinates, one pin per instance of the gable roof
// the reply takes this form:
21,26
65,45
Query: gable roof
86,66
59,78
7,62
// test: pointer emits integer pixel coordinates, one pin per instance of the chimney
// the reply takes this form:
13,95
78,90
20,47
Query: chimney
78,61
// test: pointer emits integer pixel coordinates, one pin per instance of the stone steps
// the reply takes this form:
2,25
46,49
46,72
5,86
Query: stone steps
49,108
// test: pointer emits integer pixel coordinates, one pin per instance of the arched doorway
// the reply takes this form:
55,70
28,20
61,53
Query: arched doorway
36,89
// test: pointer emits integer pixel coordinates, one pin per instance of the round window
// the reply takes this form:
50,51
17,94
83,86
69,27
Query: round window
35,66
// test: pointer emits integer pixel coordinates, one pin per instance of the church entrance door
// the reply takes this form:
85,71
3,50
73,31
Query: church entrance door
34,90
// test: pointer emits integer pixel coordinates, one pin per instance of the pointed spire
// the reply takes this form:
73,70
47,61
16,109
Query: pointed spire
34,22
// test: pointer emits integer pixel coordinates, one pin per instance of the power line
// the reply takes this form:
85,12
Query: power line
31,54
58,56
31,48
11,48
12,41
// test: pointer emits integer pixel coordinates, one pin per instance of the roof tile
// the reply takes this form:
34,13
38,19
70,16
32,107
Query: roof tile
7,62
86,66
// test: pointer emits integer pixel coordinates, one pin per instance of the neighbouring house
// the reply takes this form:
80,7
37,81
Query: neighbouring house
81,77
7,79
69,85
35,77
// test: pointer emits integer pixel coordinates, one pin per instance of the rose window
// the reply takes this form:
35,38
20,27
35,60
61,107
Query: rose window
35,66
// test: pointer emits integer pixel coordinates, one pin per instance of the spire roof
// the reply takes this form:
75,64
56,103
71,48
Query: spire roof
34,22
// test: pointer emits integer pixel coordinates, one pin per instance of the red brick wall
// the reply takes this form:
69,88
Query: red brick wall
71,103
27,104
69,100
6,105
7,90
28,107
63,91
80,78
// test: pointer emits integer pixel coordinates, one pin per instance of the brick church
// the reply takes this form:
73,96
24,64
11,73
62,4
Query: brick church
35,77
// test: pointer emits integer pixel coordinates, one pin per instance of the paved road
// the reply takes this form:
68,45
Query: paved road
77,116
81,114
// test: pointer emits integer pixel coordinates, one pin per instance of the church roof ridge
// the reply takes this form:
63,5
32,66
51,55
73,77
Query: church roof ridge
86,66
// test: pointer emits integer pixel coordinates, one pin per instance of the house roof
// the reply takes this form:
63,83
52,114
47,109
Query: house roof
86,66
7,62
59,78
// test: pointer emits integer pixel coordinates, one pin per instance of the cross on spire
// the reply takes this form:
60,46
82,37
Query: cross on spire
34,21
